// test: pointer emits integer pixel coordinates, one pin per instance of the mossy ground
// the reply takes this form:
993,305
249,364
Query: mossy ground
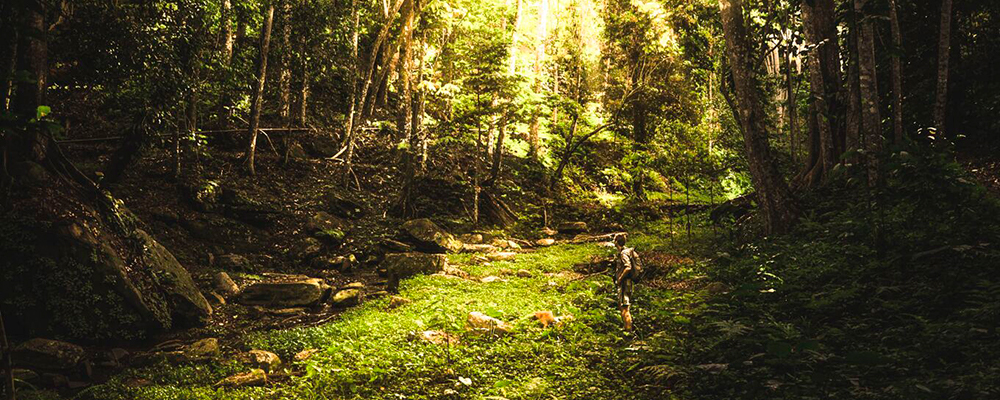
370,352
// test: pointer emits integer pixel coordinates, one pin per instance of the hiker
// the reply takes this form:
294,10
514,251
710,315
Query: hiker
628,269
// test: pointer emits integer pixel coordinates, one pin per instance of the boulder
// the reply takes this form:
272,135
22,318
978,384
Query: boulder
296,151
47,354
306,249
201,350
403,265
224,284
261,359
254,377
326,228
283,291
353,285
395,246
347,297
523,273
545,242
572,228
455,271
338,263
430,237
188,305
478,321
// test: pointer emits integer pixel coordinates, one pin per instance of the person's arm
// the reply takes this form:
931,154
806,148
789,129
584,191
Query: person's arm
627,268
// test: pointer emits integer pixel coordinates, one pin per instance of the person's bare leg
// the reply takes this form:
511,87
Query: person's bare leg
627,318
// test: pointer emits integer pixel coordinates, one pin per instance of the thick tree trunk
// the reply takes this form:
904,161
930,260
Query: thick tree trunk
897,74
944,52
258,98
285,63
778,208
790,105
824,84
871,128
405,95
353,80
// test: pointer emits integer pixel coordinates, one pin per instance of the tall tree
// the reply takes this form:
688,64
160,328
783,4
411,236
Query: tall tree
824,84
778,208
285,64
541,37
258,98
897,73
944,52
871,129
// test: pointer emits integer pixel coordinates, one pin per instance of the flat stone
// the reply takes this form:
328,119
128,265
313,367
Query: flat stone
437,337
473,238
262,359
285,291
347,297
234,262
482,322
353,285
523,273
545,242
478,248
47,354
549,231
455,271
491,279
202,349
254,377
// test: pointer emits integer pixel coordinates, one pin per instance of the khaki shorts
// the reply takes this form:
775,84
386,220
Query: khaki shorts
625,293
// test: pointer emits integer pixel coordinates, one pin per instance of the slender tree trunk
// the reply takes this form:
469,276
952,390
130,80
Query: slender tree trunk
7,389
944,52
541,35
352,99
285,63
363,108
853,118
778,207
304,93
871,128
790,106
227,31
897,74
258,99
514,39
406,97
8,52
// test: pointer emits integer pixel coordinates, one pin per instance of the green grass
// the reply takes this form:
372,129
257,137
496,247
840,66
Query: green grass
370,352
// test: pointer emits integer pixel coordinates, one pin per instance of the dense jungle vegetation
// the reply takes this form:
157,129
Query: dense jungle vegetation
428,199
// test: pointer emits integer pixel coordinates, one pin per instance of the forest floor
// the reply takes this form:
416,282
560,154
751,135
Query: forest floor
378,352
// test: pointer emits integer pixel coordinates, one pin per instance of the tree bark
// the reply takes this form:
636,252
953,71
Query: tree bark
541,35
897,74
406,98
352,98
8,52
790,105
871,128
304,92
285,63
778,208
7,389
944,52
824,85
227,31
258,99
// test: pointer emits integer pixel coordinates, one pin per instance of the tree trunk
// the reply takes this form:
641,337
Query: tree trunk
853,118
897,74
285,63
778,208
227,31
871,129
405,95
824,85
8,52
258,98
353,80
304,92
7,389
541,35
944,51
790,105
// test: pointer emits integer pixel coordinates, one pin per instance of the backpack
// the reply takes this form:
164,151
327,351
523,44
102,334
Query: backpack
637,269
